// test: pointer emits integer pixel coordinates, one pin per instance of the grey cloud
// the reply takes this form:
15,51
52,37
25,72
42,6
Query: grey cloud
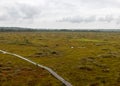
107,18
72,19
20,11
118,20
90,19
3,17
78,19
28,11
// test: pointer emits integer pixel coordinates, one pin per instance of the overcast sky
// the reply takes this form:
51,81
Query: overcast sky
89,14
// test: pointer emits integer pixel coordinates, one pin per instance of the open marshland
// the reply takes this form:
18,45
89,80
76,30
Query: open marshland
82,58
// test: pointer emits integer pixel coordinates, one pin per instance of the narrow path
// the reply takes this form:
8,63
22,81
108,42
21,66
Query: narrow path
41,66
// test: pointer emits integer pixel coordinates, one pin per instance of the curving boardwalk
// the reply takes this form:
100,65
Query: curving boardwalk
41,66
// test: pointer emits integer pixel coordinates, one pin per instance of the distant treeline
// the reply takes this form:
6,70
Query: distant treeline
14,29
20,29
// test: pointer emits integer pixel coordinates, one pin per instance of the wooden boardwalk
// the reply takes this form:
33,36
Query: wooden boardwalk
41,66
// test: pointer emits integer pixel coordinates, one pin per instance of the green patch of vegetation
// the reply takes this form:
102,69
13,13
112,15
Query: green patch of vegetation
87,40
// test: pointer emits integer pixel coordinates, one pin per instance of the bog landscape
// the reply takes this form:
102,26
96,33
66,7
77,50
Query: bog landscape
59,42
83,58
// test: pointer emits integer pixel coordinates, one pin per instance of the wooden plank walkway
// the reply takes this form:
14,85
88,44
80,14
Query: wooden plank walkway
41,66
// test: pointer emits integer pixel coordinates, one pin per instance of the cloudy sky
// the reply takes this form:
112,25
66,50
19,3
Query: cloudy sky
83,14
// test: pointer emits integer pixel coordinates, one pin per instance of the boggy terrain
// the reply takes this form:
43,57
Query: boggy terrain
82,58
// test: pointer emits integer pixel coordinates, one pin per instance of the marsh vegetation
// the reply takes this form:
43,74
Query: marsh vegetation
82,58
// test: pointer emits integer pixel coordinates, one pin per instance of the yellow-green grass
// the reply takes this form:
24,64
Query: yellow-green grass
87,40
16,72
82,58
